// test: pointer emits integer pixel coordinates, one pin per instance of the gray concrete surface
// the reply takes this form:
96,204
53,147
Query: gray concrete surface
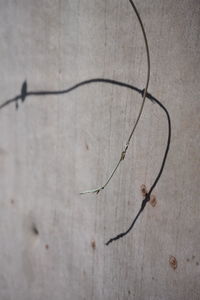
54,147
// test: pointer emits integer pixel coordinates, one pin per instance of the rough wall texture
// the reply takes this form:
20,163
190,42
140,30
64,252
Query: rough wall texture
52,239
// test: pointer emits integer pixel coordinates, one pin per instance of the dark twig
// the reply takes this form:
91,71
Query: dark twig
24,94
147,197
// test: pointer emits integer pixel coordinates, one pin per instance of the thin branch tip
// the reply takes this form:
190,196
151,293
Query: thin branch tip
95,191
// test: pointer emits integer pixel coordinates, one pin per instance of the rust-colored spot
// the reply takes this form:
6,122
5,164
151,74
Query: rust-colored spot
188,259
173,262
153,200
197,263
47,246
143,190
93,244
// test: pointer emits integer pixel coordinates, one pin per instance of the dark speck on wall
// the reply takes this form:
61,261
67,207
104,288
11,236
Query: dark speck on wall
93,244
143,190
173,262
35,230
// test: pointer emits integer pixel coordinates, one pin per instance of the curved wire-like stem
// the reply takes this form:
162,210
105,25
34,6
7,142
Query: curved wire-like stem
24,94
123,154
108,180
148,195
148,75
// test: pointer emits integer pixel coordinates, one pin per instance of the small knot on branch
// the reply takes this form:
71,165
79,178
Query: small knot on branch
23,94
148,95
124,152
24,91
144,202
142,92
123,155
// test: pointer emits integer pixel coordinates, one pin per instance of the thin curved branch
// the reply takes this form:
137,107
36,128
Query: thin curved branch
27,94
24,94
148,195
148,72
123,154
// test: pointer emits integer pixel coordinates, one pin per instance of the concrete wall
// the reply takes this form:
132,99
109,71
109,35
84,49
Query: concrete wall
52,238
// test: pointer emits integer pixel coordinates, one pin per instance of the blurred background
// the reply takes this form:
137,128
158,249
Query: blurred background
52,238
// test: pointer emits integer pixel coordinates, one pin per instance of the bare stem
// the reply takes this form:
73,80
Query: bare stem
123,154
110,177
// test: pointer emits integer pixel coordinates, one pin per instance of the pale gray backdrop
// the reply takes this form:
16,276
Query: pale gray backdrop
51,238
